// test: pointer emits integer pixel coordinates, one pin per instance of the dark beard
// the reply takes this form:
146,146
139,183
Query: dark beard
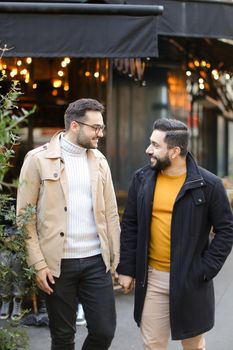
161,164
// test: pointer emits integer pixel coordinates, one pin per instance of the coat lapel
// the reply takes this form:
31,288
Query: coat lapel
149,187
63,181
94,163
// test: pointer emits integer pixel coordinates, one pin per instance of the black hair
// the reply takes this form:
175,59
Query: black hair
77,109
177,134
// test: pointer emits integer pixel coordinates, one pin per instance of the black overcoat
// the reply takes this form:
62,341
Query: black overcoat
200,206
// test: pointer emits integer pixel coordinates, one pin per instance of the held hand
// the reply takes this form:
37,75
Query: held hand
126,282
115,277
42,278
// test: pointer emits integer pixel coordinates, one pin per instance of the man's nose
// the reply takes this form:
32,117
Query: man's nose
149,150
100,133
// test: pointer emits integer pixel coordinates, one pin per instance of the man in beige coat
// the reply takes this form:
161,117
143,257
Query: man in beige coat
74,236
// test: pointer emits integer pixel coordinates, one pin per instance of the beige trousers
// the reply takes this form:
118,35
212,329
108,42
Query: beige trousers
155,324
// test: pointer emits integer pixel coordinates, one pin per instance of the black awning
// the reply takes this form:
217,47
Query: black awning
209,19
49,33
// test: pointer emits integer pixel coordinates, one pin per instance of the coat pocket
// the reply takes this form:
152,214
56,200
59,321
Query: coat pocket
196,275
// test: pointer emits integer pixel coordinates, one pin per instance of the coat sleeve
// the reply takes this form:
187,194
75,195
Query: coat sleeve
112,218
127,265
221,217
27,194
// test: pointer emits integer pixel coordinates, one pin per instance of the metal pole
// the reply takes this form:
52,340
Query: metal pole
74,8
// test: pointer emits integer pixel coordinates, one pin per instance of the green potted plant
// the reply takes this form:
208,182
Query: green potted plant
11,117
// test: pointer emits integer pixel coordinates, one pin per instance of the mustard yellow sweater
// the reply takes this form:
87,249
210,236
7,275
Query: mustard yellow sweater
166,191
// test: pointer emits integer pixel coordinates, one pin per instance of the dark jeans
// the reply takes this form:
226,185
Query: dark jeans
87,279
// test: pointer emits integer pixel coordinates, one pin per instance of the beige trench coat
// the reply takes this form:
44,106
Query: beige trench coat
42,184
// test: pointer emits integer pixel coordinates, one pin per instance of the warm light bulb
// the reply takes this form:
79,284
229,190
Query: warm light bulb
60,73
19,63
67,60
66,87
14,72
57,83
63,64
203,63
23,71
214,72
29,60
96,74
87,74
34,86
188,73
27,78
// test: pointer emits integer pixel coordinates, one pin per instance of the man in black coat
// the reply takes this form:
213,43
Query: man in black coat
177,232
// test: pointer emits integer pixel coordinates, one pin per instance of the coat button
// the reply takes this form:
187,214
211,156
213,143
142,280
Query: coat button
62,234
202,183
199,200
45,147
65,208
55,174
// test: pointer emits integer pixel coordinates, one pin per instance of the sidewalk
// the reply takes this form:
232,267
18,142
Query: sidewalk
128,336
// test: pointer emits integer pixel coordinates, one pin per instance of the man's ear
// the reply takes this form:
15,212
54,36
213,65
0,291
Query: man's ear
175,152
74,125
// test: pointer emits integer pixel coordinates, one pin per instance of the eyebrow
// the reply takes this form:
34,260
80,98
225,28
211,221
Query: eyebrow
154,142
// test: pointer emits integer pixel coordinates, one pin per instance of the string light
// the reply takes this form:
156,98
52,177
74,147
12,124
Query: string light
67,60
66,86
27,78
14,72
23,71
57,83
102,78
203,63
29,60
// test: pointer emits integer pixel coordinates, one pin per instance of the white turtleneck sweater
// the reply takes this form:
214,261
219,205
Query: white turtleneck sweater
82,240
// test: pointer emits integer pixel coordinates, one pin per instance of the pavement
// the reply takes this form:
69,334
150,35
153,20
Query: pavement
127,335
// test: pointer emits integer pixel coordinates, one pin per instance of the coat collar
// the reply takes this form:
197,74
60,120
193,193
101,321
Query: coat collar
54,149
148,177
194,178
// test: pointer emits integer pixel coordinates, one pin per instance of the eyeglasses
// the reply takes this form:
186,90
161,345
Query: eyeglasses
96,127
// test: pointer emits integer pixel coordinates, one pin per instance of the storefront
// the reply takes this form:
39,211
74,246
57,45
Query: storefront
61,51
